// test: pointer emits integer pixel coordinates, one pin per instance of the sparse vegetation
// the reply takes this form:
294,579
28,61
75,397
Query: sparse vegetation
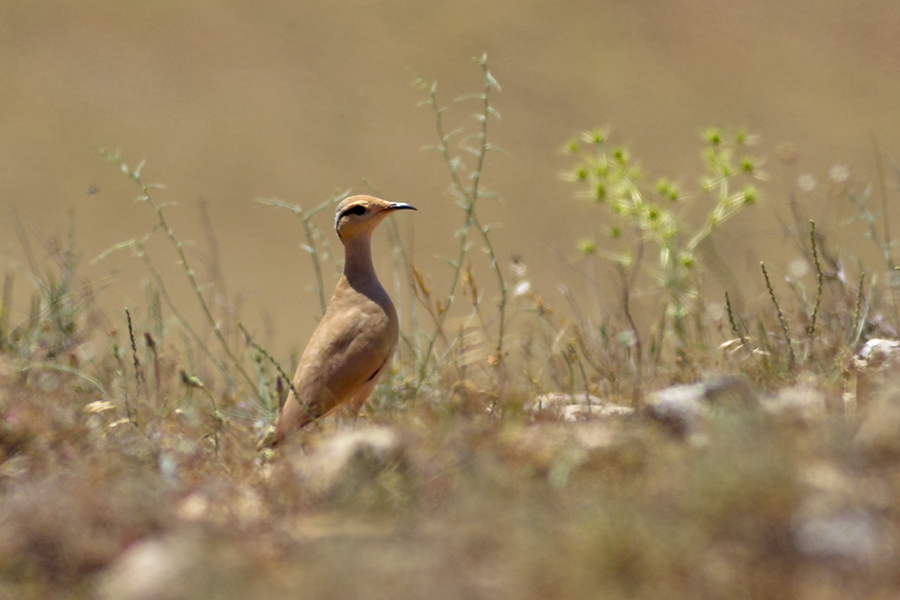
127,442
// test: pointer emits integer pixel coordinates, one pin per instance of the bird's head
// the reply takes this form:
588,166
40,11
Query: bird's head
358,215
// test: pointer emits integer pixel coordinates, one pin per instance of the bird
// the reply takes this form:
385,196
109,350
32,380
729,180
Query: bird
352,345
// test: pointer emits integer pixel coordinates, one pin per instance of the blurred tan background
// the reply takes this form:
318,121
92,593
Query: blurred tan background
228,101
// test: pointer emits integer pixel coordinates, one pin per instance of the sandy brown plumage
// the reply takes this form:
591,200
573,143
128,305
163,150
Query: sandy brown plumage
353,343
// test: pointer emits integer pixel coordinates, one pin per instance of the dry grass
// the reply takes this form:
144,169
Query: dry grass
466,506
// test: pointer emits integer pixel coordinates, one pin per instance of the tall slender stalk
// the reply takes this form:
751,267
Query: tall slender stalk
784,327
859,317
467,198
815,252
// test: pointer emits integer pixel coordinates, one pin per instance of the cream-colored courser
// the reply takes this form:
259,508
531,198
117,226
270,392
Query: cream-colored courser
353,343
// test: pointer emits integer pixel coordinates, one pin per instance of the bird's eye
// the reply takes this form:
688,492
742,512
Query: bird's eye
359,209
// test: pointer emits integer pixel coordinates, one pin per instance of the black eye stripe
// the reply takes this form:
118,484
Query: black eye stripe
359,209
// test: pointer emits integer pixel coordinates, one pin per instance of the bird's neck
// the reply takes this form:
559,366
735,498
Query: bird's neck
358,267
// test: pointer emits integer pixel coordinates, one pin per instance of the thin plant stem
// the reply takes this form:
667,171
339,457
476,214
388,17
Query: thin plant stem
5,307
732,321
811,330
858,318
882,189
195,383
157,381
137,368
77,373
269,357
261,350
501,284
885,219
638,347
784,328
883,248
467,196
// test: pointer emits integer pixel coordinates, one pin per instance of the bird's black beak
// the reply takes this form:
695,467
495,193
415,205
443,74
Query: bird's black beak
402,206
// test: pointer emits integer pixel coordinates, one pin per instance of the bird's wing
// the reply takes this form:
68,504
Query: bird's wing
345,351
341,356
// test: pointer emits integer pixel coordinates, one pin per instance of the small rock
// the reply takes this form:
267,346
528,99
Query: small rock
180,566
681,408
731,392
576,407
853,535
350,461
563,450
877,352
801,405
879,434
154,569
875,360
